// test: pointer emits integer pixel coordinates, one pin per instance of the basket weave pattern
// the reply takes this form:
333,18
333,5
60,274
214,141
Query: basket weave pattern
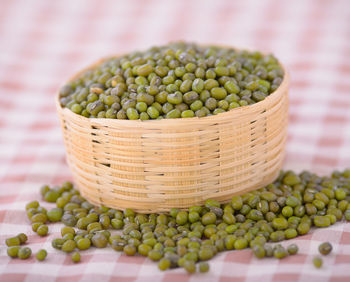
155,165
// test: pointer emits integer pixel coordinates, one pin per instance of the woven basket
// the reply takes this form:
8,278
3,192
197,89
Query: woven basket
155,165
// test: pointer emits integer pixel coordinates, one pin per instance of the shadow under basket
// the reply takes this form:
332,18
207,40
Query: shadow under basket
156,165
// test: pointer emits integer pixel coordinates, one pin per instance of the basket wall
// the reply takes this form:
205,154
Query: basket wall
155,165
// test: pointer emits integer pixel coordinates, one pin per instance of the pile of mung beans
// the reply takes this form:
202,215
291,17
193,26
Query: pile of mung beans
179,80
284,209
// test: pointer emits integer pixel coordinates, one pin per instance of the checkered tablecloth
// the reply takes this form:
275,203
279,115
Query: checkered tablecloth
43,42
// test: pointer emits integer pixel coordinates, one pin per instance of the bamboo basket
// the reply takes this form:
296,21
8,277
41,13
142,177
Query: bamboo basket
156,165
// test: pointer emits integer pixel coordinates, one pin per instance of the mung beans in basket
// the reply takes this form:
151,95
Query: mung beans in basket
178,80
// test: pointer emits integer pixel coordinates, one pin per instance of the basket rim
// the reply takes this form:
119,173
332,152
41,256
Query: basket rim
236,111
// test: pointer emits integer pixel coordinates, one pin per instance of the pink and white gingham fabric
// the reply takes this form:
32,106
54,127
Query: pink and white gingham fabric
42,43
